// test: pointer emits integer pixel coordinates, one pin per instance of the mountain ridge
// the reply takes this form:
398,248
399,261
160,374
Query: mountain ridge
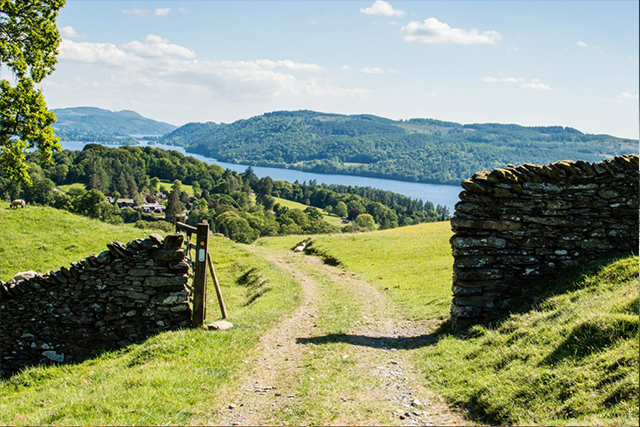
83,122
418,150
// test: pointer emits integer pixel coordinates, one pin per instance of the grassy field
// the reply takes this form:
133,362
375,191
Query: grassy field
171,378
43,239
568,358
331,219
413,265
67,187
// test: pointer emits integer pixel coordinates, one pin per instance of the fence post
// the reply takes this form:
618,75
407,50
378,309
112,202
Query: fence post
200,275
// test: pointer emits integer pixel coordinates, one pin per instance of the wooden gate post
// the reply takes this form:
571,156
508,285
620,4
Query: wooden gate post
200,275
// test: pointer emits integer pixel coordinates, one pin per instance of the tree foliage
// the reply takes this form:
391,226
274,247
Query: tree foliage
28,47
225,200
422,150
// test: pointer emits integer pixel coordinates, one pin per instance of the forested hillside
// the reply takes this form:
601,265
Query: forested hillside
240,206
98,125
422,150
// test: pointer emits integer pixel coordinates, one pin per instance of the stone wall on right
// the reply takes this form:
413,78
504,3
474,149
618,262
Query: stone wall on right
521,225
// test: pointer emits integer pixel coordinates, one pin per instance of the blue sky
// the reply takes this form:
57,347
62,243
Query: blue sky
531,63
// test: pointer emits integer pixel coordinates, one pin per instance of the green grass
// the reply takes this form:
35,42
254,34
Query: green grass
42,239
67,187
170,379
168,184
571,360
331,219
413,265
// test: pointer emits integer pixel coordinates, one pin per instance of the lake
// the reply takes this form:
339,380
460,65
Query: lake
445,195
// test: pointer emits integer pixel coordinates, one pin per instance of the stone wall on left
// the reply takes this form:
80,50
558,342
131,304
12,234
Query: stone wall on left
119,297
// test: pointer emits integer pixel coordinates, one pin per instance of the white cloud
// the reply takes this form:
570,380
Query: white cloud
157,46
533,84
139,12
156,63
162,12
97,53
374,70
536,86
288,64
382,8
433,31
627,95
345,67
69,32
582,44
182,10
502,79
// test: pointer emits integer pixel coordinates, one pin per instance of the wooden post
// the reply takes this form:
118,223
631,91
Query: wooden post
200,278
223,309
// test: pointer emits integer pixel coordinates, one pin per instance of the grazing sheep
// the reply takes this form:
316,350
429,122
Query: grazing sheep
300,247
18,203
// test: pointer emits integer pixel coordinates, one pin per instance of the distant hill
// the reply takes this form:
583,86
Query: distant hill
423,150
86,123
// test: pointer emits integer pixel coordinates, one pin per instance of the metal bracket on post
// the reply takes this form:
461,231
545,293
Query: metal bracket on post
200,277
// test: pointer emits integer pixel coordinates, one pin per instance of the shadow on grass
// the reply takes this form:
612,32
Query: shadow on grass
397,343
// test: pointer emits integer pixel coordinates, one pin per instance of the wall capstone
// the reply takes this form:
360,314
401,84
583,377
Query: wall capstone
121,296
516,226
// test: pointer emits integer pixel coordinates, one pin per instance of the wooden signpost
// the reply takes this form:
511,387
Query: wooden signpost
199,263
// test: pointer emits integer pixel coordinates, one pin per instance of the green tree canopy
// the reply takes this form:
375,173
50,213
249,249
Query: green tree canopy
365,221
29,42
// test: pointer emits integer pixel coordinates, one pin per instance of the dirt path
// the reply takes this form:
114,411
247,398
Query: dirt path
379,347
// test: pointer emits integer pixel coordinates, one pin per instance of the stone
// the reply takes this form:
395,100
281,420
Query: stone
168,255
173,241
157,282
140,272
220,325
136,295
52,355
156,238
475,187
104,257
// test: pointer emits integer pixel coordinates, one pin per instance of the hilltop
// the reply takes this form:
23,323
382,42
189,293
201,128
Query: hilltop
91,123
423,150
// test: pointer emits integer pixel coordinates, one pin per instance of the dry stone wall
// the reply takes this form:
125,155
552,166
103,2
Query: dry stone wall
119,297
519,225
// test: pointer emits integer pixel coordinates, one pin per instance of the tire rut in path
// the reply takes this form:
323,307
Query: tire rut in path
382,354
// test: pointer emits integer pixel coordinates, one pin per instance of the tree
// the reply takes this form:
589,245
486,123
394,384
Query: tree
340,209
313,214
29,43
365,221
174,205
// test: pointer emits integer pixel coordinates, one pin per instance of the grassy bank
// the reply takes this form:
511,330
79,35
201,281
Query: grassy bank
170,378
571,359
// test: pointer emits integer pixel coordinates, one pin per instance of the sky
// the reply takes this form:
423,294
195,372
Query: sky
530,63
